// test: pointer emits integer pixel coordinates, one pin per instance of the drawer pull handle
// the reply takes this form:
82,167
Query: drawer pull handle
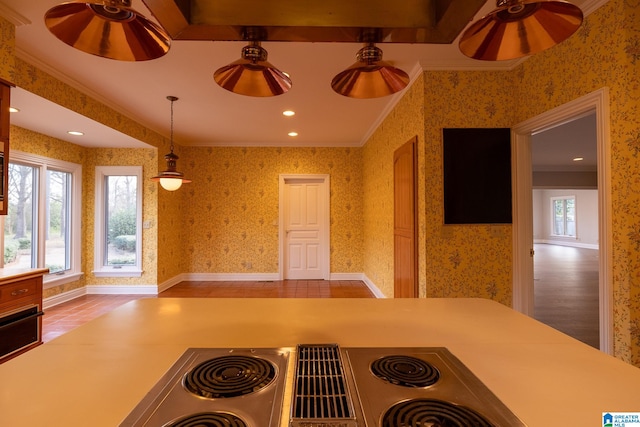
19,292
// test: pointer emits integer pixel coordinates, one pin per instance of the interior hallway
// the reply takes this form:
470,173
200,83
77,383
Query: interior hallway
566,288
69,315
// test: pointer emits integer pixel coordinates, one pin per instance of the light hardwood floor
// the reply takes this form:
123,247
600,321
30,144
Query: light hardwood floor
69,315
566,288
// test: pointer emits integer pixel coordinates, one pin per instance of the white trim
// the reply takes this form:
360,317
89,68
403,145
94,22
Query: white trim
389,106
99,268
2,218
122,289
325,233
589,6
12,16
63,297
114,272
43,164
189,277
466,64
572,244
346,276
231,277
53,280
377,292
172,282
597,101
552,216
68,80
359,276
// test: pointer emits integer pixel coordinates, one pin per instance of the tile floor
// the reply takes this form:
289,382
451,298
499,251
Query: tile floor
69,315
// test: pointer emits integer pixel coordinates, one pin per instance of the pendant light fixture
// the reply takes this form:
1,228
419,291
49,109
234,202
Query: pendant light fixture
171,179
108,28
519,28
370,77
253,75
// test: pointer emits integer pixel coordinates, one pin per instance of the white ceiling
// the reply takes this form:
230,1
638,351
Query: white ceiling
554,149
206,114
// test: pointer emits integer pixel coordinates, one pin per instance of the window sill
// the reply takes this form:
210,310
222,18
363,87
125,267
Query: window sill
53,280
117,273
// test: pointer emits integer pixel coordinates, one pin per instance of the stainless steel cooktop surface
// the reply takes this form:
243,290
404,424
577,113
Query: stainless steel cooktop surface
320,385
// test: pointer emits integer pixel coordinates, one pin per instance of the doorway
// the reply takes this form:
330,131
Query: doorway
565,228
523,289
304,227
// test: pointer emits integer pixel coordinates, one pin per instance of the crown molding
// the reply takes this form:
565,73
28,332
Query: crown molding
415,72
590,6
12,16
64,78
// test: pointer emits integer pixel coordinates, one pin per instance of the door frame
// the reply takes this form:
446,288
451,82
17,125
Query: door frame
325,228
523,290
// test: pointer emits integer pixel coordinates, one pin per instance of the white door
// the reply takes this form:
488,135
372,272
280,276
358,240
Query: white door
304,227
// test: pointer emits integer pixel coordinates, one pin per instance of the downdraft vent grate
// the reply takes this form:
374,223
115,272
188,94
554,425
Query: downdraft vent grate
321,390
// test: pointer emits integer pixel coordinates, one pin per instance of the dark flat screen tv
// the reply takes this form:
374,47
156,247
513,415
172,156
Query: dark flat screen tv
477,175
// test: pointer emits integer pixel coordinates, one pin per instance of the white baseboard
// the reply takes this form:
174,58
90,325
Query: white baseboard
346,276
64,297
567,243
359,276
231,277
377,292
205,277
122,290
171,282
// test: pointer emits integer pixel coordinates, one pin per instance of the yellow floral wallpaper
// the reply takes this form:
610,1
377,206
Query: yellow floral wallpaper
404,122
158,206
120,157
476,261
464,260
230,212
605,52
36,81
43,145
7,46
165,213
454,261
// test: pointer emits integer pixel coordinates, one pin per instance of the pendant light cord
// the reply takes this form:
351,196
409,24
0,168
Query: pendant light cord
172,99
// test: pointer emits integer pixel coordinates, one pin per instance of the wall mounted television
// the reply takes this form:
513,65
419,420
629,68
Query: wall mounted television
477,175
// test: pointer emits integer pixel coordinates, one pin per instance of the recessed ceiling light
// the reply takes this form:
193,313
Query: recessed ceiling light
293,134
578,159
288,113
13,110
75,133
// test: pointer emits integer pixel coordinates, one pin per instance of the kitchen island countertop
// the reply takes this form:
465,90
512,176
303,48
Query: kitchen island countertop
96,374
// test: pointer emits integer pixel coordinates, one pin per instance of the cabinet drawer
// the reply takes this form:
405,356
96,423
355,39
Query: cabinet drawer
17,291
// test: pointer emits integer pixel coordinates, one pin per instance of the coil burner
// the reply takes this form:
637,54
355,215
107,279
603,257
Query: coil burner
208,419
405,371
432,412
217,387
324,386
229,376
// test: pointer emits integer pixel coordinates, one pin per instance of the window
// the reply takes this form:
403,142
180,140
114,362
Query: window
42,227
564,216
118,231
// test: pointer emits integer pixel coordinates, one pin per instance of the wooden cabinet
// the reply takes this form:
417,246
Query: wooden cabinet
5,103
20,311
